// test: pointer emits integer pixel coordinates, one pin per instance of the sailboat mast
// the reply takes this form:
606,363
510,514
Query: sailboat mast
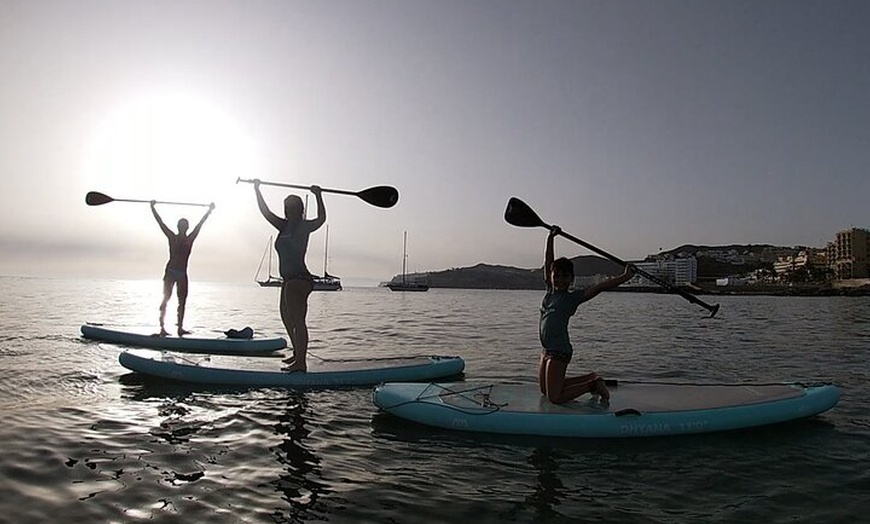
269,250
325,250
404,256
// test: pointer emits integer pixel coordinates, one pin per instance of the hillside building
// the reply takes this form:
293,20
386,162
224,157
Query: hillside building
678,271
847,254
803,259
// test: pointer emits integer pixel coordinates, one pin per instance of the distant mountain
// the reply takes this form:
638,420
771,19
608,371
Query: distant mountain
486,276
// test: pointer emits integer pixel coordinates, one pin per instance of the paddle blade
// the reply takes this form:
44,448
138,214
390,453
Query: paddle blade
518,213
380,196
93,198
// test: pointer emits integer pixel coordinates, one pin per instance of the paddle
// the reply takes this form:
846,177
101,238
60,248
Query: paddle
518,213
380,196
94,198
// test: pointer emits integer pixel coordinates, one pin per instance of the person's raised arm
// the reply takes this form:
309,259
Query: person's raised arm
321,209
166,231
548,255
271,217
195,231
610,283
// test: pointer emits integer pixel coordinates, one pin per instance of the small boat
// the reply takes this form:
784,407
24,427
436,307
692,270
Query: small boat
405,284
327,282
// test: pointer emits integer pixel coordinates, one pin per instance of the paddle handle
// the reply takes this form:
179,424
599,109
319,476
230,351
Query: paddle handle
297,186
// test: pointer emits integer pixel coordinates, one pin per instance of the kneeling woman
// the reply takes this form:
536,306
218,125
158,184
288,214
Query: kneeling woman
558,306
291,245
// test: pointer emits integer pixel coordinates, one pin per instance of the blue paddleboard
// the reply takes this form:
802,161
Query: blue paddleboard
189,344
634,410
320,374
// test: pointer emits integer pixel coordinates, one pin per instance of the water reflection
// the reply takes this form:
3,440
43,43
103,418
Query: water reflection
301,483
549,490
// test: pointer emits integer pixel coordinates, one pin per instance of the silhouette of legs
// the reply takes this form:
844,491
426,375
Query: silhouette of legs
182,302
294,310
168,284
558,389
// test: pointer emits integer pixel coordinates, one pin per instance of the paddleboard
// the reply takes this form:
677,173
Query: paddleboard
188,344
634,410
325,374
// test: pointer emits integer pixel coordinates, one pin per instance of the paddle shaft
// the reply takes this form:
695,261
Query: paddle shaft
664,283
299,186
95,198
160,202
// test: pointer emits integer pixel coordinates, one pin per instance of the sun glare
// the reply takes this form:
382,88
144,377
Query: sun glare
170,147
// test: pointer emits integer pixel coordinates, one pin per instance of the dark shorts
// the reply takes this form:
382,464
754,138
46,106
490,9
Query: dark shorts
174,275
558,356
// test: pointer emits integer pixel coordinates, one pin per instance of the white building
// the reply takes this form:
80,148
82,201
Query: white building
677,271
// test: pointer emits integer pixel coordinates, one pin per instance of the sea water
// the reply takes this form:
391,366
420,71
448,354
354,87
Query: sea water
84,440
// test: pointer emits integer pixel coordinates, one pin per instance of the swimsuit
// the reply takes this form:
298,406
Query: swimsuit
179,254
291,246
557,307
174,275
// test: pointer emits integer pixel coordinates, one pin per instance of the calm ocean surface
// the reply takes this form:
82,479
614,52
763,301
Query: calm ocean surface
83,440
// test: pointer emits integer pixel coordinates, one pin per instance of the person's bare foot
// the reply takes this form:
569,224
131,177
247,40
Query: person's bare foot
163,333
182,332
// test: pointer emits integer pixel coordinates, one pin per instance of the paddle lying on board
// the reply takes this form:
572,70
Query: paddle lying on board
519,214
94,198
380,196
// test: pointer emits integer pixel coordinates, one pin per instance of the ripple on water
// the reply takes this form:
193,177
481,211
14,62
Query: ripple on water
86,439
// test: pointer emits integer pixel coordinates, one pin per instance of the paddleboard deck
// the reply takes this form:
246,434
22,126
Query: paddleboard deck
634,410
216,345
328,374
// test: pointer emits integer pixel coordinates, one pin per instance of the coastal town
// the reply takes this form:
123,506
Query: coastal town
841,267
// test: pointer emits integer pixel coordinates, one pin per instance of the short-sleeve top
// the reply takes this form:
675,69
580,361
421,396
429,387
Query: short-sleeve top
291,245
556,309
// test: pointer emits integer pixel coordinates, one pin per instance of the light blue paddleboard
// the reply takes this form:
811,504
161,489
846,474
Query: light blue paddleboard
188,344
320,374
635,409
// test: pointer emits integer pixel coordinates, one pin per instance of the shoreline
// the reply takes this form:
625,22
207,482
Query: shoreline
778,291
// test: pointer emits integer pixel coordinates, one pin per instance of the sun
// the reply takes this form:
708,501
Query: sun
170,147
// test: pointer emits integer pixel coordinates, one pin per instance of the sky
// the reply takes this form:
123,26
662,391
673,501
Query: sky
635,125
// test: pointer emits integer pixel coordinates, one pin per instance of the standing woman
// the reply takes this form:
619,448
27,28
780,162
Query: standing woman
291,245
176,269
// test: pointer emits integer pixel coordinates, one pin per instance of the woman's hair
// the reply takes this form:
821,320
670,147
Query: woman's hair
293,207
563,265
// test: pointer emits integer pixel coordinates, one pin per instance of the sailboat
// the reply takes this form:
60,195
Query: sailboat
327,282
271,280
406,285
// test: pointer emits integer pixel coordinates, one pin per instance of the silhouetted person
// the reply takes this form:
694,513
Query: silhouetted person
180,245
292,245
558,306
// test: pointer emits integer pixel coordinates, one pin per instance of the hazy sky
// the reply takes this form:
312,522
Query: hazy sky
635,125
